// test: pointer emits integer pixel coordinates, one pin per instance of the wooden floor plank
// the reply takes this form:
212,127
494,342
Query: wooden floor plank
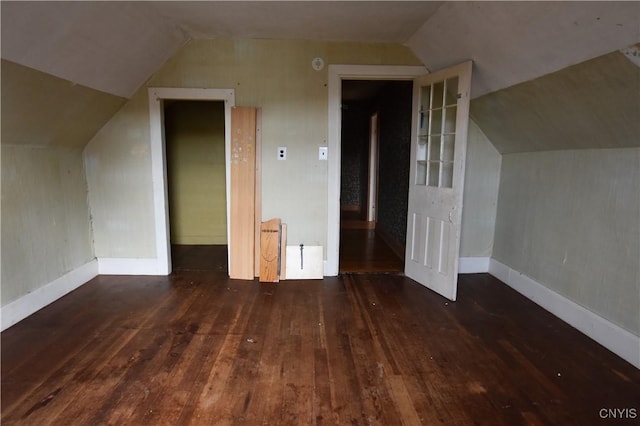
363,250
198,348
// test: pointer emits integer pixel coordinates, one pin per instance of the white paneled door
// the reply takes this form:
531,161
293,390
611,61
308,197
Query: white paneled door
438,149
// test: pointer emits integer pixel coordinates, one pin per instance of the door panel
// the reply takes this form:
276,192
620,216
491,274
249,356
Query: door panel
438,150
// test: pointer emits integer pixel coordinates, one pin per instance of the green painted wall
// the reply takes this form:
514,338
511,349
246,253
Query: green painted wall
194,134
275,75
40,109
481,181
46,121
571,221
45,217
568,211
118,166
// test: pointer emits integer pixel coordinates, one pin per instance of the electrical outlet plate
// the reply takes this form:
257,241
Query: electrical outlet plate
322,153
282,153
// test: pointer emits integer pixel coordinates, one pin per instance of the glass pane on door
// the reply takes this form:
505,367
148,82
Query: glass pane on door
451,97
436,122
436,134
450,120
438,95
434,173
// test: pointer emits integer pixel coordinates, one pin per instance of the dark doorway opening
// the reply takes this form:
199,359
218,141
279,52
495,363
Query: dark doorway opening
376,138
196,170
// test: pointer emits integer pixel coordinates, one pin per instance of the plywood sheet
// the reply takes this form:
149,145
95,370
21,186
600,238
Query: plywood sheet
242,220
270,251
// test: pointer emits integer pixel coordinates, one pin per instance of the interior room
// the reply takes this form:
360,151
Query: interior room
486,155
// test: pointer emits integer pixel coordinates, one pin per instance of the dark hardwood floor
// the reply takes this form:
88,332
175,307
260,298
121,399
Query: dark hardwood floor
362,249
199,257
358,349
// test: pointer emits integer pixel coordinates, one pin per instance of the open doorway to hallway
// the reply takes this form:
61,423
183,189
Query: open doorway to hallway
375,134
196,181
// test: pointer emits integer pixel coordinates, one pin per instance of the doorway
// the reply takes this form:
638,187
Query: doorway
161,265
374,172
196,184
338,73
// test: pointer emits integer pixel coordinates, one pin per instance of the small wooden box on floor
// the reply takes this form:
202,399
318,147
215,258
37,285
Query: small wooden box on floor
281,262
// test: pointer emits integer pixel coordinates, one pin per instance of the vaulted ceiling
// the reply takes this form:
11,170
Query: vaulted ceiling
114,47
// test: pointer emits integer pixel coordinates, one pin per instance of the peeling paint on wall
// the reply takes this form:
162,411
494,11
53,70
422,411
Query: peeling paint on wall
632,53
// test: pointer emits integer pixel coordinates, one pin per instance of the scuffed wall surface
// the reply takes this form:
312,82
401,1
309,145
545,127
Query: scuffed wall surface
571,221
118,167
274,75
46,121
277,76
45,217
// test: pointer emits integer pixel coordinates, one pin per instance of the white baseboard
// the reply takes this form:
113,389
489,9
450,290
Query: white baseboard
616,339
473,265
32,302
129,266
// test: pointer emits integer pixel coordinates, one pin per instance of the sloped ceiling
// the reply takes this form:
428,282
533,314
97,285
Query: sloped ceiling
594,104
42,110
108,46
378,21
114,47
512,42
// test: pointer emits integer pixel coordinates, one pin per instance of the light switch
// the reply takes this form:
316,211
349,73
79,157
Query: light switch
322,153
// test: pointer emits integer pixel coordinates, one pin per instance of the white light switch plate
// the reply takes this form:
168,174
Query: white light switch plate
322,153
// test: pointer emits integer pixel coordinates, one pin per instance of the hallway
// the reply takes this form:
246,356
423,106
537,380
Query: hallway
362,249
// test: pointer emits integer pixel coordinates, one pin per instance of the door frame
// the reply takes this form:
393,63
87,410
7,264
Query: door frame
372,182
159,161
337,73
